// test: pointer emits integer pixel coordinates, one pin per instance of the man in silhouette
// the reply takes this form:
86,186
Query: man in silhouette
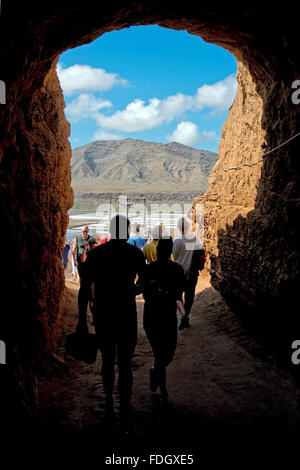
113,267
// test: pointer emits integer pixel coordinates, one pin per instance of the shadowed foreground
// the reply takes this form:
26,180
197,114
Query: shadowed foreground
223,385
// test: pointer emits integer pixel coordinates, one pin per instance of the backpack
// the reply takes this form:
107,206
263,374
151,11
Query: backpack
82,346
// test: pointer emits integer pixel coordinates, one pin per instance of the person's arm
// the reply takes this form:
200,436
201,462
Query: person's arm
91,296
84,254
175,251
87,275
179,288
180,307
139,285
144,251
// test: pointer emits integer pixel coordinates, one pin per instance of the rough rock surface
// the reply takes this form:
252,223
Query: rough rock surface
232,189
257,264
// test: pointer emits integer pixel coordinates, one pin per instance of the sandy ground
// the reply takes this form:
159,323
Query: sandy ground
221,382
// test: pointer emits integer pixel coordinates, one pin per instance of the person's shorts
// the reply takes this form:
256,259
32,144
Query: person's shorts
121,332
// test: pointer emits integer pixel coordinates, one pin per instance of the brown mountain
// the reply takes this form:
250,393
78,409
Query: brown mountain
138,167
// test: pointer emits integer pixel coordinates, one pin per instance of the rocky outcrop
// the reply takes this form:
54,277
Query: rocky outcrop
252,213
35,197
250,203
233,182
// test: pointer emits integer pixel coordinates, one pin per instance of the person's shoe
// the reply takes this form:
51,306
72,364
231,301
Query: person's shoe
109,419
185,323
153,381
164,398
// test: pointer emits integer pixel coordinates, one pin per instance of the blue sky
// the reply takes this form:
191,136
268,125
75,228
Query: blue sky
148,83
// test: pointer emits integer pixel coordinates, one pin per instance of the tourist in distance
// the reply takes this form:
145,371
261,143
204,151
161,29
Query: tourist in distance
150,249
84,295
186,251
73,261
113,267
87,249
135,238
81,244
162,288
81,248
104,239
65,255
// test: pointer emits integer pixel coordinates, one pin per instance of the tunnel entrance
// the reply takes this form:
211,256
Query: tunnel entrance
251,213
146,107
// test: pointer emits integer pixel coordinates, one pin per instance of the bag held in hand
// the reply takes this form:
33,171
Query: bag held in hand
82,346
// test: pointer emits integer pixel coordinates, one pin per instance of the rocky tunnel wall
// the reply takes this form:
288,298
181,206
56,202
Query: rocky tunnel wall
251,213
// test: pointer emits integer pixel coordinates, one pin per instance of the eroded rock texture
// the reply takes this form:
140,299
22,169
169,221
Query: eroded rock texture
251,213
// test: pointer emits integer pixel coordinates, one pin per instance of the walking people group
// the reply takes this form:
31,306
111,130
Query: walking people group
111,275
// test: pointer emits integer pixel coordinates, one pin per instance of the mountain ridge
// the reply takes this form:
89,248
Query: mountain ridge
135,165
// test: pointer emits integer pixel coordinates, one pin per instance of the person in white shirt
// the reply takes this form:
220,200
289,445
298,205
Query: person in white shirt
184,250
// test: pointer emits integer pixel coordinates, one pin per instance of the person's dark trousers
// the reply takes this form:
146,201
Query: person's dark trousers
189,292
163,356
83,300
118,343
163,340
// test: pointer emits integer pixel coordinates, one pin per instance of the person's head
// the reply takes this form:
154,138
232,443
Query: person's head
158,232
93,242
164,249
137,228
85,232
119,227
183,225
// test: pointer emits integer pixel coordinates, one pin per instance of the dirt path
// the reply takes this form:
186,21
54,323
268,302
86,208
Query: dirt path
221,381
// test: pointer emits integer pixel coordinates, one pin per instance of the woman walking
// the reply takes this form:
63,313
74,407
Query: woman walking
162,289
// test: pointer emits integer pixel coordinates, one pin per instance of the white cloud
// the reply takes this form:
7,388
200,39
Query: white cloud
85,106
140,115
220,95
79,78
105,135
175,105
187,133
137,116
